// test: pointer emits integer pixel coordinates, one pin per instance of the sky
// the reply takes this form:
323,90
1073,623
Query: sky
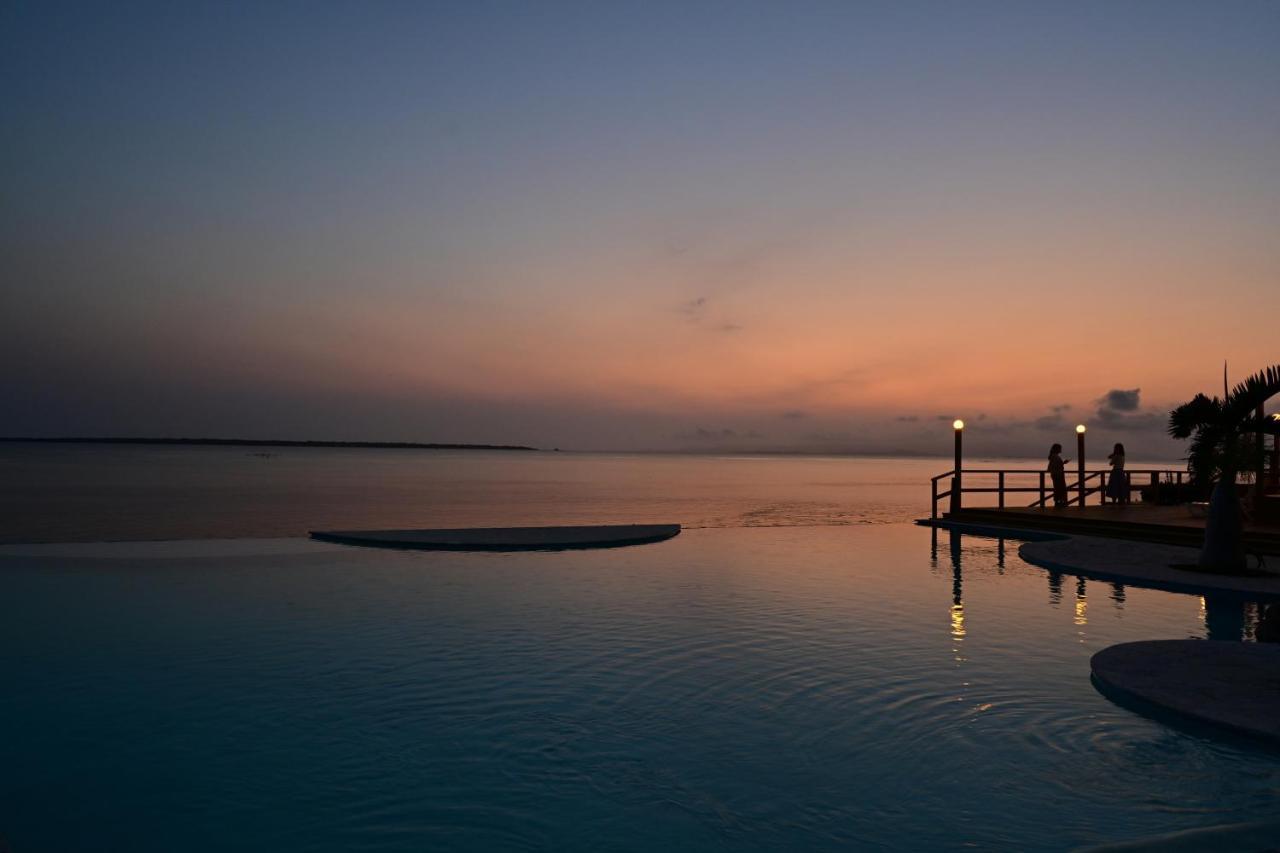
739,226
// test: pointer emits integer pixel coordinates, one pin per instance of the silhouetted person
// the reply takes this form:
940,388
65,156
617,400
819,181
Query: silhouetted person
1118,482
1058,474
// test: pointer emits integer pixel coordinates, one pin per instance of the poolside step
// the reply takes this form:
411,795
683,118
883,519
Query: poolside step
1226,684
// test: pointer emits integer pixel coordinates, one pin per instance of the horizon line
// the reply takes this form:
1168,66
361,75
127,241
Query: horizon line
417,445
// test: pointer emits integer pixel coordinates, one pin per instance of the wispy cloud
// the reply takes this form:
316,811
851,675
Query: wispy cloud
695,309
700,312
714,434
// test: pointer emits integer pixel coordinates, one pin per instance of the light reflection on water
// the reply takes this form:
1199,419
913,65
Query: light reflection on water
750,689
1220,616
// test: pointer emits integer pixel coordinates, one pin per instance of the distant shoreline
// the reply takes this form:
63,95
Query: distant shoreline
253,442
409,445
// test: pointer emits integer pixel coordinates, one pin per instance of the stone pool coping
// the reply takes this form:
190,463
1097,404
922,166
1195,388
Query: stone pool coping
505,538
1228,685
1148,563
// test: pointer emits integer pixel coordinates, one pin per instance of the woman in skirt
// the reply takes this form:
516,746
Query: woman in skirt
1118,482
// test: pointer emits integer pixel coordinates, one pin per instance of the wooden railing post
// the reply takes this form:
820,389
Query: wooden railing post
933,487
1042,497
1274,479
1260,466
1001,493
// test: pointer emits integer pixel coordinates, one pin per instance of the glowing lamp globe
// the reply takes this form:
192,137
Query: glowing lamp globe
958,424
1080,429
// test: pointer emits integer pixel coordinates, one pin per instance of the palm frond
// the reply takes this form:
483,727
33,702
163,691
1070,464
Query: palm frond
1251,393
1204,457
1200,412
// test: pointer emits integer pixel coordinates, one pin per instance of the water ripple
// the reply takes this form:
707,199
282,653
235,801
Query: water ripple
803,689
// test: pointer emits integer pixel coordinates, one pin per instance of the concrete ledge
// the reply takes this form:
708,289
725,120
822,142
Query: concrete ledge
505,538
1139,522
1233,686
1146,563
994,531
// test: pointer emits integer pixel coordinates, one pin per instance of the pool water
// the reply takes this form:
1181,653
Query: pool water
779,688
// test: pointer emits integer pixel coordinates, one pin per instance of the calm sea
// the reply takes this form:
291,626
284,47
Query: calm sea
54,493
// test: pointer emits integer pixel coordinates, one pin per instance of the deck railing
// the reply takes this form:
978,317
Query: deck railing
1078,488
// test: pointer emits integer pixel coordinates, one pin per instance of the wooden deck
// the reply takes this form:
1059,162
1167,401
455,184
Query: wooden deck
1144,522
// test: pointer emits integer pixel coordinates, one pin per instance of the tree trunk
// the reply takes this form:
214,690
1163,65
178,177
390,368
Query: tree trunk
1223,549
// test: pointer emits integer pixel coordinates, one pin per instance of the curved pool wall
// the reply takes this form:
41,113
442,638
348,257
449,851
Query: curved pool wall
751,689
554,538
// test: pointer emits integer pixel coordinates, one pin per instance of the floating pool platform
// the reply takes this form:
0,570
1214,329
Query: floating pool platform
1230,685
505,538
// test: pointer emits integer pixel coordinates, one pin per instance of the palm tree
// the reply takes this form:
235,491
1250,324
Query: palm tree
1216,427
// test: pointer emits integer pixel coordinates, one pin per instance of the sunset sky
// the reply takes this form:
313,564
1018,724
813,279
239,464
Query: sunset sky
723,226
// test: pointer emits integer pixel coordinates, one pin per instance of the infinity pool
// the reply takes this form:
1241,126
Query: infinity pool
745,689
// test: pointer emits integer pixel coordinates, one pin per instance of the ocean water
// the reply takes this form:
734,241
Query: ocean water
794,685
55,493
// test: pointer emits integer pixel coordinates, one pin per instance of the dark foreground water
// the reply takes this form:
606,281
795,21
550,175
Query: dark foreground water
778,688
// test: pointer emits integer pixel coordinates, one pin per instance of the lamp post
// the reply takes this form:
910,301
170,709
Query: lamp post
1080,428
958,427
